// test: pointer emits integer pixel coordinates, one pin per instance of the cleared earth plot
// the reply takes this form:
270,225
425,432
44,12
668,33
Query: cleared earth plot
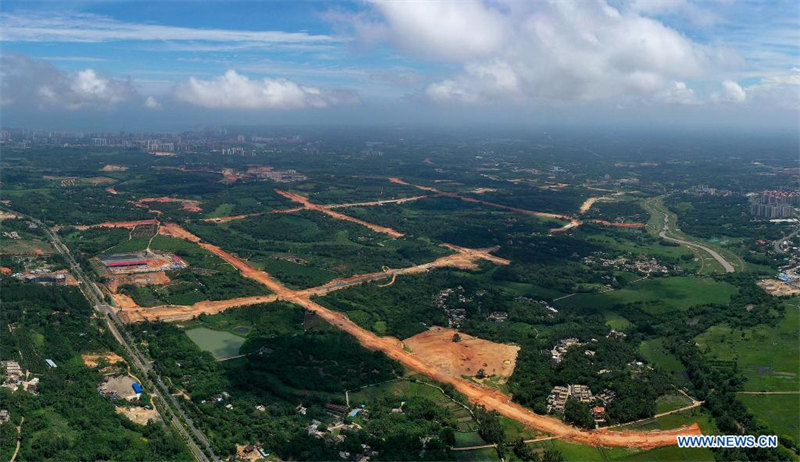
464,357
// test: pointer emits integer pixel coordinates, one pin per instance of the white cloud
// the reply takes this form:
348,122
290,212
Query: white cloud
152,103
781,90
235,91
678,93
730,92
557,51
685,8
83,27
28,81
446,29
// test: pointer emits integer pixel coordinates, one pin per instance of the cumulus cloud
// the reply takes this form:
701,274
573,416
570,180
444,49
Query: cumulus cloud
448,30
549,51
28,81
781,90
235,91
152,103
730,92
678,93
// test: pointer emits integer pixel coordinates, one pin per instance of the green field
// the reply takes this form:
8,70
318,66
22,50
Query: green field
766,355
655,353
776,412
482,455
220,344
617,322
659,294
666,403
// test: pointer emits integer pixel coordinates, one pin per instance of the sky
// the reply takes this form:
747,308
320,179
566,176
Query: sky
111,65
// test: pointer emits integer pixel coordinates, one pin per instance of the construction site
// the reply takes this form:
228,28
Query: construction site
432,353
142,262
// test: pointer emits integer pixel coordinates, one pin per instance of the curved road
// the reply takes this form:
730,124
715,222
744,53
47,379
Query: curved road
663,234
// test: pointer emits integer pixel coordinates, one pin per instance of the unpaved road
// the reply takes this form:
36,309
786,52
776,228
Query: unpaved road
588,203
339,216
572,221
171,313
402,200
489,398
119,224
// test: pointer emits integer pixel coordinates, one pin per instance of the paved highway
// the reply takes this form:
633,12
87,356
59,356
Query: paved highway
663,234
151,378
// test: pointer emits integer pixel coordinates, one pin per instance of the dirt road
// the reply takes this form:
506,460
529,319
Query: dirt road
463,258
248,215
339,216
572,222
489,398
588,203
171,313
119,224
620,225
402,200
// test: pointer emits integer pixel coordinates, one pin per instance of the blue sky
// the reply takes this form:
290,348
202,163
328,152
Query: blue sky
133,64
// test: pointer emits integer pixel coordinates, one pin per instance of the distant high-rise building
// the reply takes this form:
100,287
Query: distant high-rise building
775,204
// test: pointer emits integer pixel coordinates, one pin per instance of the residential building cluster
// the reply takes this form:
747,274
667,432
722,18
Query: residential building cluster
641,264
561,348
455,315
774,204
15,378
558,397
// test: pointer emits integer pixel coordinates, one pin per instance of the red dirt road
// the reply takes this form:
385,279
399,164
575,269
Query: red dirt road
572,221
119,224
339,216
171,313
489,398
402,200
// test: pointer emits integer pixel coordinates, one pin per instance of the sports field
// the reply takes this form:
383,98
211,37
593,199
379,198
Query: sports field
220,344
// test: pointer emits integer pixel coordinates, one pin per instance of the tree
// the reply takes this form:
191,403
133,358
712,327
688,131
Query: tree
579,414
525,452
489,427
553,455
456,338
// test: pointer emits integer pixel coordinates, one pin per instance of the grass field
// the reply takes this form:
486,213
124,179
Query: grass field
488,454
666,403
779,412
678,419
660,295
655,353
220,344
767,356
617,322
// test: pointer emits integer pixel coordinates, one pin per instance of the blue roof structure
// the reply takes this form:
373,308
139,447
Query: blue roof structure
136,387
